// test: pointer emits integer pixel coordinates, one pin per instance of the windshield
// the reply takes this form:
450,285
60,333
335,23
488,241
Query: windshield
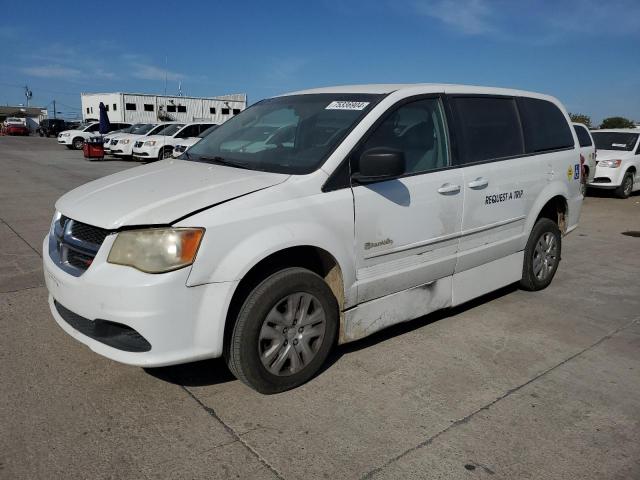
291,134
142,128
615,140
208,131
170,129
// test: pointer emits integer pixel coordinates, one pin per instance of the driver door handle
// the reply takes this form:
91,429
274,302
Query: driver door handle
449,188
479,183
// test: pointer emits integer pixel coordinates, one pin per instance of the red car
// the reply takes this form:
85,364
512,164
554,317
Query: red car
16,129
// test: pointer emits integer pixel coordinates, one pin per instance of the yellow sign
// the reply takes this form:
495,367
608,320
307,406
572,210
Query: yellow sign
570,173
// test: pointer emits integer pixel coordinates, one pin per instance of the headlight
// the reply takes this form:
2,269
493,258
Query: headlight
151,143
156,250
65,134
124,142
609,163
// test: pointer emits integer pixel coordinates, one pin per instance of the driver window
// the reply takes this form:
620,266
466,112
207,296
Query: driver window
417,129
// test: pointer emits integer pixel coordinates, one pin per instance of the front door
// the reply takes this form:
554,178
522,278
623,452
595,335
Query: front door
407,229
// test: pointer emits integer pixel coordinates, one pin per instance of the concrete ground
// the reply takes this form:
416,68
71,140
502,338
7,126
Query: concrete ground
514,385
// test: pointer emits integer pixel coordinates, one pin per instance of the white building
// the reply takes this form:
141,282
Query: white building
141,108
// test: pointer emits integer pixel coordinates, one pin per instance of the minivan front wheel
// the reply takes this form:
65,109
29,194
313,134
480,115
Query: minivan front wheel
78,143
541,255
626,187
284,331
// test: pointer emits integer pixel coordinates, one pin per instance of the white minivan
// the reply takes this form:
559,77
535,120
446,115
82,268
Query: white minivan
618,166
315,218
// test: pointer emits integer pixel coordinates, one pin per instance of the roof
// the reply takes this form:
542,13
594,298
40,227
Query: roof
386,88
21,111
617,130
221,98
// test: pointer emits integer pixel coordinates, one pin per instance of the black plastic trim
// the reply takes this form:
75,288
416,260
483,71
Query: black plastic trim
116,335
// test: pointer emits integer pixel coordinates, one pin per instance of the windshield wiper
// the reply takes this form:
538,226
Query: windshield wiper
222,161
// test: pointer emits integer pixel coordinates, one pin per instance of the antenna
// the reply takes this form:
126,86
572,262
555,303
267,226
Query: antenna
28,94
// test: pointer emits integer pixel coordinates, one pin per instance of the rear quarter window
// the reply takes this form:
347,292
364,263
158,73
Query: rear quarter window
488,128
583,136
545,126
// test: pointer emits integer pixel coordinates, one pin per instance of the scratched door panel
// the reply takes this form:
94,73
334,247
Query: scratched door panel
406,232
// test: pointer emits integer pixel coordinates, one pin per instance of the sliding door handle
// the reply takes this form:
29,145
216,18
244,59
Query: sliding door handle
479,183
449,189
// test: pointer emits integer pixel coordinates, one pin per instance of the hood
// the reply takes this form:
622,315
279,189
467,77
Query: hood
130,136
613,154
75,130
188,142
160,193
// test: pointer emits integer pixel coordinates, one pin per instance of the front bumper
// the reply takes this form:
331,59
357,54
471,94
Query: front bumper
606,177
180,323
124,150
146,152
64,140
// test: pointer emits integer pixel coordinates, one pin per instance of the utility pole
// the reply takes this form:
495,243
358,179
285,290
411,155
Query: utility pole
54,109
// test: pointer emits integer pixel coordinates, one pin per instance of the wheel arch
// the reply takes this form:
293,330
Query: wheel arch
556,209
311,257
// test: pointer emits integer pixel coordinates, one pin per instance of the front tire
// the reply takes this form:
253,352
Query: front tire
284,331
541,255
77,143
626,187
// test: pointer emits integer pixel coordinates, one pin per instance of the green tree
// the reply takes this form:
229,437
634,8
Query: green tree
617,122
581,118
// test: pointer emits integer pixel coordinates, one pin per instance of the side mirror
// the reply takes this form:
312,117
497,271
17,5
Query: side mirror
378,164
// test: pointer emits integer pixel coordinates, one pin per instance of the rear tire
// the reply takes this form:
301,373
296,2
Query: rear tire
541,255
284,331
626,187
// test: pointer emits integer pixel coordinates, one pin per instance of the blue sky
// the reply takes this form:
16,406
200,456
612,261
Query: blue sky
585,52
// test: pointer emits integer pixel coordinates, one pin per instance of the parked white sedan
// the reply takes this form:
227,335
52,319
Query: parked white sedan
187,143
157,147
618,161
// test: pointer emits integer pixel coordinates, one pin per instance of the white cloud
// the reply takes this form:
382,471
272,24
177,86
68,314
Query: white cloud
469,17
54,71
151,72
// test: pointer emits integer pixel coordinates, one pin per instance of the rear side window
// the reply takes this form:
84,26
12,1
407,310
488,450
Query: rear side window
545,127
583,136
488,128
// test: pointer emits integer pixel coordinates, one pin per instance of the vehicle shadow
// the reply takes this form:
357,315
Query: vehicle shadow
215,371
607,193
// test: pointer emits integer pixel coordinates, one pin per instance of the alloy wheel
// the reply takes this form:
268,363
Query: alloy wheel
291,334
545,256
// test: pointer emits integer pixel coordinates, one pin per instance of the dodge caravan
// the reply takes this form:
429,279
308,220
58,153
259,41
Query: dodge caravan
618,166
316,218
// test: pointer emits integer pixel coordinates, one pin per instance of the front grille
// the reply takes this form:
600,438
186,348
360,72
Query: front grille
73,245
114,334
88,233
138,144
114,142
601,180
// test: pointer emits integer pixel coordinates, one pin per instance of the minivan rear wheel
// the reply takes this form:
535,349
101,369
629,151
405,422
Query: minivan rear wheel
541,255
284,331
